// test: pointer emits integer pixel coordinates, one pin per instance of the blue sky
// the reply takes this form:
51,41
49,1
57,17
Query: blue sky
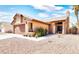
43,12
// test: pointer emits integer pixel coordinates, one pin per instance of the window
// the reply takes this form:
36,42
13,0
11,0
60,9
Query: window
30,27
21,18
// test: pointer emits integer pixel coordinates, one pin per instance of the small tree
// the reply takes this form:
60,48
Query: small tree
76,10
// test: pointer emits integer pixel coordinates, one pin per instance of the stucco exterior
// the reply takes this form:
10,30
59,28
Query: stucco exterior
24,25
21,25
39,25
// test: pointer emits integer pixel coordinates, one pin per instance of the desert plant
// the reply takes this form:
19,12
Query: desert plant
9,31
40,32
76,11
74,29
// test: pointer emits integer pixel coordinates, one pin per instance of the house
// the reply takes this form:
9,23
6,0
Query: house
2,30
6,27
25,25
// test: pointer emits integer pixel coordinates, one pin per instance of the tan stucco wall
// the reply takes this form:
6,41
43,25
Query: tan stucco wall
26,28
66,26
17,19
38,25
53,27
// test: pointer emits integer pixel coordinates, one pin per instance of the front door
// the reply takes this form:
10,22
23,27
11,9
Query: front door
59,29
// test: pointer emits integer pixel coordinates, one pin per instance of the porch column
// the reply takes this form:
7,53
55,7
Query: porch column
63,28
78,30
27,26
54,29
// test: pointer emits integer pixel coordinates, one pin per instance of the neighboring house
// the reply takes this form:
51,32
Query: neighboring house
25,25
6,27
2,30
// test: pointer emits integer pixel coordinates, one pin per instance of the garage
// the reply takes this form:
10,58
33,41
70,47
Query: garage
20,29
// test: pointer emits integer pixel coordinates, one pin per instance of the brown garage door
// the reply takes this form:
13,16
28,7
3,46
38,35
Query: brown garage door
20,29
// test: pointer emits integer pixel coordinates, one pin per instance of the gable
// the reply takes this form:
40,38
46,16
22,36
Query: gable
17,19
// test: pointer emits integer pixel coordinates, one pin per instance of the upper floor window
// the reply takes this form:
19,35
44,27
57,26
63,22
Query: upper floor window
21,18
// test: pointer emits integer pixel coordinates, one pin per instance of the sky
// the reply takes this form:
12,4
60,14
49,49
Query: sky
42,12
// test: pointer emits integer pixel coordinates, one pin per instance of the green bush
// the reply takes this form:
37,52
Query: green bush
74,29
40,32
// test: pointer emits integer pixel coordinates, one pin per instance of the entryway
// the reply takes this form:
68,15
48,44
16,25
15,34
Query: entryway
59,29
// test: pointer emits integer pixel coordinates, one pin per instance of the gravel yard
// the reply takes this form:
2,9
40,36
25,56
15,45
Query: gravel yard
59,44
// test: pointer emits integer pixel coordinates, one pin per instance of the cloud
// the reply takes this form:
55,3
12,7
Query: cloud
54,8
3,13
57,15
41,7
49,7
43,15
5,16
12,8
70,10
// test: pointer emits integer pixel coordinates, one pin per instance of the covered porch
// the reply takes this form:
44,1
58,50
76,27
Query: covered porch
57,27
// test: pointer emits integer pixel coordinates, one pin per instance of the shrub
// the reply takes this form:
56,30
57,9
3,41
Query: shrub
40,32
9,31
74,30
